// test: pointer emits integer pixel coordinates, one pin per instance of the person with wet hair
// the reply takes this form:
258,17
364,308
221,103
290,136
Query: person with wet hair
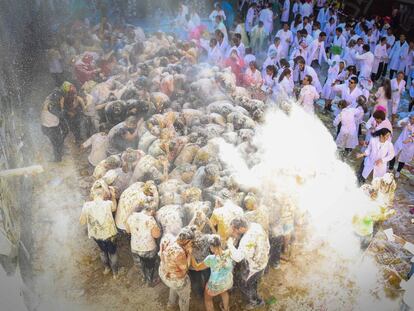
221,276
175,255
376,157
253,254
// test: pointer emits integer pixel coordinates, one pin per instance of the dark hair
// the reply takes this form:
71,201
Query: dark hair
273,69
339,29
322,34
366,48
342,104
379,114
381,132
383,39
239,222
298,20
276,39
215,240
316,23
355,79
285,72
387,88
310,79
238,36
284,63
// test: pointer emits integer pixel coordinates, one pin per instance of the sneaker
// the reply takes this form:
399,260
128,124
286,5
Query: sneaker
397,174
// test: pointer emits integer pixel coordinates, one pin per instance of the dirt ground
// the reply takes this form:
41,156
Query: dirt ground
68,272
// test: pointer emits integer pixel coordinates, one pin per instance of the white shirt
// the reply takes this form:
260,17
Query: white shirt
254,247
98,213
141,226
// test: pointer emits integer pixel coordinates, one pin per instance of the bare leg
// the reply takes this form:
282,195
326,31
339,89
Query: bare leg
225,297
208,301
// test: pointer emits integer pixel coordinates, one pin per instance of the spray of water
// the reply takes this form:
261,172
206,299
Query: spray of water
297,161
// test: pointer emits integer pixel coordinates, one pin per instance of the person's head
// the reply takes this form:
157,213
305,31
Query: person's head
400,76
353,81
379,116
234,54
307,80
402,38
239,226
322,36
276,41
411,44
365,48
285,74
217,6
213,42
186,237
411,117
389,31
352,71
362,102
338,31
270,71
249,50
284,63
305,20
285,27
383,41
112,162
261,24
215,244
301,64
316,25
250,202
342,104
304,33
131,123
219,35
341,65
383,134
331,20
298,20
253,66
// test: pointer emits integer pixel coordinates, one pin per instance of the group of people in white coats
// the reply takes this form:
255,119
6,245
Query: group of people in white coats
320,54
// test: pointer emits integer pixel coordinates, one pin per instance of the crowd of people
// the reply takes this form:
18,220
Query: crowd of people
150,107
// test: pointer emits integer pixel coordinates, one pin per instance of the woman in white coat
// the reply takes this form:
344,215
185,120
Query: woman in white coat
379,152
348,134
383,96
404,146
308,95
285,85
397,88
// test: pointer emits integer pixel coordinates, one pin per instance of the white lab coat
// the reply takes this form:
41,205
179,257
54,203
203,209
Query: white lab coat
313,52
308,95
366,62
323,13
347,95
250,19
339,41
397,90
275,49
306,9
285,87
372,126
349,56
398,56
330,33
377,151
405,151
348,135
214,55
286,38
266,16
382,100
380,55
315,79
285,11
327,92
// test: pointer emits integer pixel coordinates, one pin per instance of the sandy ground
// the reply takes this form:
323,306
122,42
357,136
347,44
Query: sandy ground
68,272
